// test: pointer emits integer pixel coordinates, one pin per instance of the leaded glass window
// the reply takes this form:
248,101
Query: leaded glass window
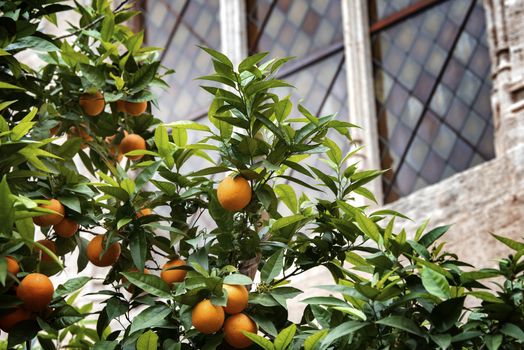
179,26
312,32
432,88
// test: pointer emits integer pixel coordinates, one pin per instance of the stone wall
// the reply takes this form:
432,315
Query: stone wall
488,198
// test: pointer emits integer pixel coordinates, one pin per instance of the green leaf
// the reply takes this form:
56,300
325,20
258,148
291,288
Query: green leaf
147,341
512,330
139,248
119,82
108,26
22,128
150,317
325,301
179,137
187,124
282,109
251,61
238,278
25,228
433,235
493,342
509,242
162,141
478,275
401,322
147,174
33,42
4,85
367,226
128,185
447,313
419,248
352,311
286,221
273,267
286,194
340,331
105,345
150,283
435,283
442,340
71,286
225,129
259,340
142,77
486,296
135,42
313,339
389,212
116,307
218,56
94,75
326,179
285,337
283,294
116,192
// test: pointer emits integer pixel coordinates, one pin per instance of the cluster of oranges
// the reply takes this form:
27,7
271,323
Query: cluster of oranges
35,291
208,318
93,105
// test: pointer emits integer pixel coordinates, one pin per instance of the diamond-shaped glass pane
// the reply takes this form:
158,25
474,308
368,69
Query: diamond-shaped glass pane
432,89
293,27
380,9
198,25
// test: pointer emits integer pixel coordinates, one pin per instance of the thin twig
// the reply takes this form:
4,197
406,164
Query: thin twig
89,25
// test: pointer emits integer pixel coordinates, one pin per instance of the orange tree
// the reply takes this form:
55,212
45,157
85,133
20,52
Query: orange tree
201,257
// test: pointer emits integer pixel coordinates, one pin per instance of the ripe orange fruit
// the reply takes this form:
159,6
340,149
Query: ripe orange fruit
233,328
92,104
36,291
144,212
12,265
172,276
49,245
234,194
130,143
96,247
66,228
135,108
50,219
124,280
13,317
206,317
237,298
121,106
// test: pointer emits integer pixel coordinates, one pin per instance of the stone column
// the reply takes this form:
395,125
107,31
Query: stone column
505,29
360,86
233,29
